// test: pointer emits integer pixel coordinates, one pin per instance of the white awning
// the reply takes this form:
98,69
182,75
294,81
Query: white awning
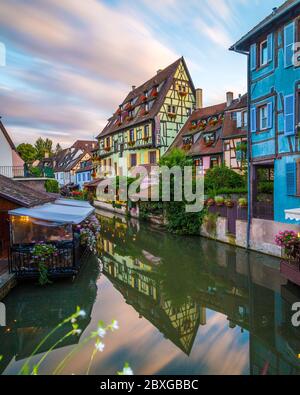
293,214
56,213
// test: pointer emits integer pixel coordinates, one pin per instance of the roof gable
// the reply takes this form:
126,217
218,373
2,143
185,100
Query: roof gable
157,88
7,137
267,24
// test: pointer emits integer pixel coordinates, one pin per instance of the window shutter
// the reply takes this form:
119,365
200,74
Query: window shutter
253,119
239,119
270,47
270,115
289,39
291,178
253,57
289,115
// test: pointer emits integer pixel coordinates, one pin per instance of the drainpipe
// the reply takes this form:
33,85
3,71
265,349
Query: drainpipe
249,155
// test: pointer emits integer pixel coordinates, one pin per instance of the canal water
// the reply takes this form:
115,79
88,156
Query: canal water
184,306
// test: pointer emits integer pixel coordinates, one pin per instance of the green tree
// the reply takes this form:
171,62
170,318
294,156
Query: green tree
52,186
42,147
178,220
58,148
27,152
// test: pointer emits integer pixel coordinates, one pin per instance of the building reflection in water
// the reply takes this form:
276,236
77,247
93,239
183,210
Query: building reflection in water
30,318
173,282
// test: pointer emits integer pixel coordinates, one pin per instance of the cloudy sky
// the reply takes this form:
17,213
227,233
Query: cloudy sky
69,63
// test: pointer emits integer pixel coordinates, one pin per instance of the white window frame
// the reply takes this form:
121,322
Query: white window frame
265,106
261,53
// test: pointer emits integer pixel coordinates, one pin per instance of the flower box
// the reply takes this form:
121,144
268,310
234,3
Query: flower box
131,143
183,94
171,115
192,127
145,139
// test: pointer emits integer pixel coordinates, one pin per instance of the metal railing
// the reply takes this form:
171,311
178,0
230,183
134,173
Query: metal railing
66,262
263,210
12,171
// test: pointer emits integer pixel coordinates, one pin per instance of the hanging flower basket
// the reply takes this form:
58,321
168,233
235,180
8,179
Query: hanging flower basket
187,147
243,203
183,94
192,127
213,122
171,115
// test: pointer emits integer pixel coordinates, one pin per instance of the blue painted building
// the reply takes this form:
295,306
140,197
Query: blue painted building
84,173
274,111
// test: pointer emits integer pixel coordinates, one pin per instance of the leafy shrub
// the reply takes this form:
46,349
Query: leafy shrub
52,186
266,187
36,172
221,177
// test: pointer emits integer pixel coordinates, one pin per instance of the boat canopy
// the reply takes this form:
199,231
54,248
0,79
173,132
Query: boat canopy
293,214
65,212
72,202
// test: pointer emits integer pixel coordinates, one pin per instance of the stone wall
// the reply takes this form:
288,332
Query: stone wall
262,234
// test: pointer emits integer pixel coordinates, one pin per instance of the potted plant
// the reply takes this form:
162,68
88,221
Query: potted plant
243,203
210,202
287,241
219,201
229,203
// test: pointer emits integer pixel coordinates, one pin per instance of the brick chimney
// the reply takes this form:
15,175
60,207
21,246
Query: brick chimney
229,98
199,99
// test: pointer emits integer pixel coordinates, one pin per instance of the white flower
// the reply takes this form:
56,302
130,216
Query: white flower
101,332
127,371
100,346
82,313
114,325
77,331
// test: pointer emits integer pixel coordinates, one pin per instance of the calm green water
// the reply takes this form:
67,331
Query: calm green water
184,306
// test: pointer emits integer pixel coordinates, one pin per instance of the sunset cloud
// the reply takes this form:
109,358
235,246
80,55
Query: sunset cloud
70,63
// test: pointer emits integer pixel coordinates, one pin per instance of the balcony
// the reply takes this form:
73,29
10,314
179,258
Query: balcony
12,171
22,172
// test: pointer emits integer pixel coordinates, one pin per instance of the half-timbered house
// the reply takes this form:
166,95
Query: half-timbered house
235,134
148,120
